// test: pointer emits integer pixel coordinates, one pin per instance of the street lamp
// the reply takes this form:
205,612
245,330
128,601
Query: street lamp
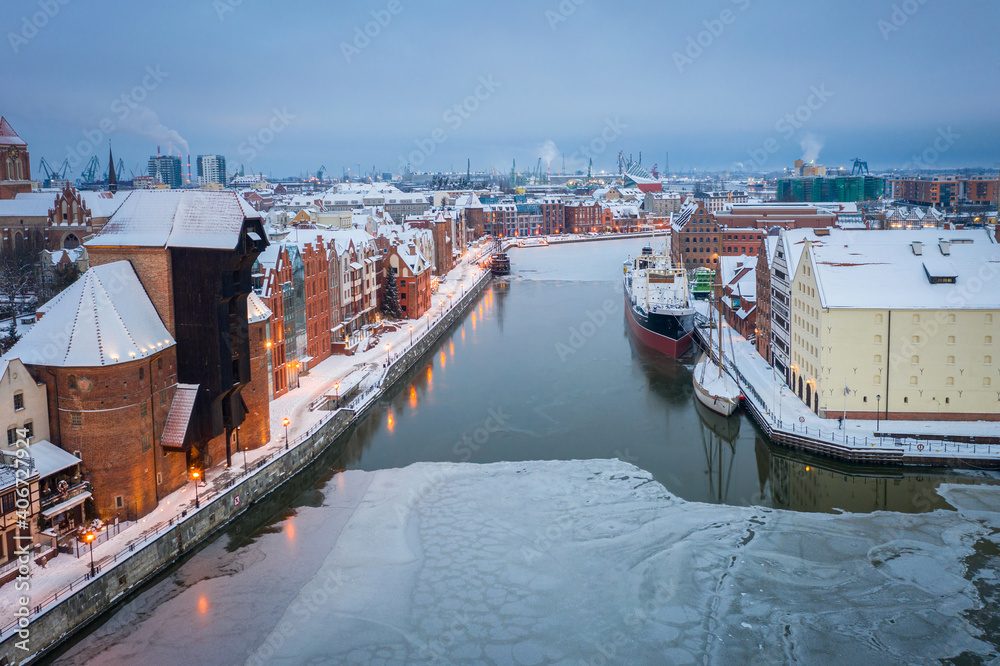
463,289
195,474
878,411
244,450
411,336
336,389
450,302
285,423
88,537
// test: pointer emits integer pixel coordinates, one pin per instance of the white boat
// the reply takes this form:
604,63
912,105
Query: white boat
714,388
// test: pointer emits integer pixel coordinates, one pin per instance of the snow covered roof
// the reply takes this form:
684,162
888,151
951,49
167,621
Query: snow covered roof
176,426
103,204
256,310
50,459
882,269
8,137
103,318
28,204
177,218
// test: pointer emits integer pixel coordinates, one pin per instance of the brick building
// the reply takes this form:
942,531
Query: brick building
15,163
412,272
193,252
584,217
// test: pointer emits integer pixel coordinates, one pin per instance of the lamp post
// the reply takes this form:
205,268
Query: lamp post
195,474
463,289
878,411
411,336
336,392
88,537
451,303
285,423
244,450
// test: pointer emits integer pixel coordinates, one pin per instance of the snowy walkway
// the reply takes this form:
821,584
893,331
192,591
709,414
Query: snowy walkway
784,413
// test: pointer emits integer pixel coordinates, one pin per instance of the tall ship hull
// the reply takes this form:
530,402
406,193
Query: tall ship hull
667,333
656,299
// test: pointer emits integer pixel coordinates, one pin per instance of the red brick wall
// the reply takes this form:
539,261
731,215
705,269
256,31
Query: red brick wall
113,432
154,269
256,429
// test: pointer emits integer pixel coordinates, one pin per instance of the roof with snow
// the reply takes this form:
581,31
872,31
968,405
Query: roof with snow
177,218
256,310
8,137
884,269
103,318
176,427
28,204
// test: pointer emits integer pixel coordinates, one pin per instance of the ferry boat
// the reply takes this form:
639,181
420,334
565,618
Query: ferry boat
656,298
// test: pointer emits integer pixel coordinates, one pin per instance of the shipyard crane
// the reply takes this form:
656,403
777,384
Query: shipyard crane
89,173
319,174
54,174
859,166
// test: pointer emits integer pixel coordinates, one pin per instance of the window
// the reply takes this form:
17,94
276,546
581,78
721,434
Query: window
988,340
913,381
906,400
145,442
951,319
951,339
916,319
878,319
864,399
72,382
119,502
163,397
878,359
877,379
951,360
915,360
989,319
29,427
987,381
142,374
12,435
988,360
878,339
915,339
159,361
18,401
75,418
947,401
950,381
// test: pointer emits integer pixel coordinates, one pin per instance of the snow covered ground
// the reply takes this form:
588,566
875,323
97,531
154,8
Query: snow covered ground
568,563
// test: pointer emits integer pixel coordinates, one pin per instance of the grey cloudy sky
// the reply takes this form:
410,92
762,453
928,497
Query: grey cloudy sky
285,87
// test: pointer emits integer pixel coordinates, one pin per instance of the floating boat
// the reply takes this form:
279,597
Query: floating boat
656,299
714,388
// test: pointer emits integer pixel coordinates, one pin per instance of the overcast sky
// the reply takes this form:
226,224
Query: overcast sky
285,87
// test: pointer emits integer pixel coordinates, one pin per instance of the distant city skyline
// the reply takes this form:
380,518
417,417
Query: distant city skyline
731,84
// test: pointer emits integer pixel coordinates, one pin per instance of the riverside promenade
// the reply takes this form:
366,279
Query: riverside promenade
788,421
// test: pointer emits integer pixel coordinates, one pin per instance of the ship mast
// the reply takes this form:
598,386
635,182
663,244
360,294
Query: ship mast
718,277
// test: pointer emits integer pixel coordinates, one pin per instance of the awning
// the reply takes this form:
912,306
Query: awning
50,459
356,266
66,506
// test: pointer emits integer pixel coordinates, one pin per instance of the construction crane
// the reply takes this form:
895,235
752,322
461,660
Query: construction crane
590,169
89,173
859,166
319,174
54,174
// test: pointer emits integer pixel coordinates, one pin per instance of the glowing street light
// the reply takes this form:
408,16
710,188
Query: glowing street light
285,423
195,474
88,538
411,336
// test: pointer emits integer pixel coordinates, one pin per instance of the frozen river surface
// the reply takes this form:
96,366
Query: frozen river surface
568,562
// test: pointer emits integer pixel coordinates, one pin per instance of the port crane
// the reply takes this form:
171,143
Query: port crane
54,174
858,167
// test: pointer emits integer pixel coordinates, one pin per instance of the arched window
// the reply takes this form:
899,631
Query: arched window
20,170
10,169
71,242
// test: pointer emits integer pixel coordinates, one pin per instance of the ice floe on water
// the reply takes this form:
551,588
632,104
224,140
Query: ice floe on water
570,562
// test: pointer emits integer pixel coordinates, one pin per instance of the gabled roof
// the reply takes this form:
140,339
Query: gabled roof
176,427
8,137
256,310
103,318
177,218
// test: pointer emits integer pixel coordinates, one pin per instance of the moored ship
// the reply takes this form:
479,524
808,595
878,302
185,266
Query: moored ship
656,299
